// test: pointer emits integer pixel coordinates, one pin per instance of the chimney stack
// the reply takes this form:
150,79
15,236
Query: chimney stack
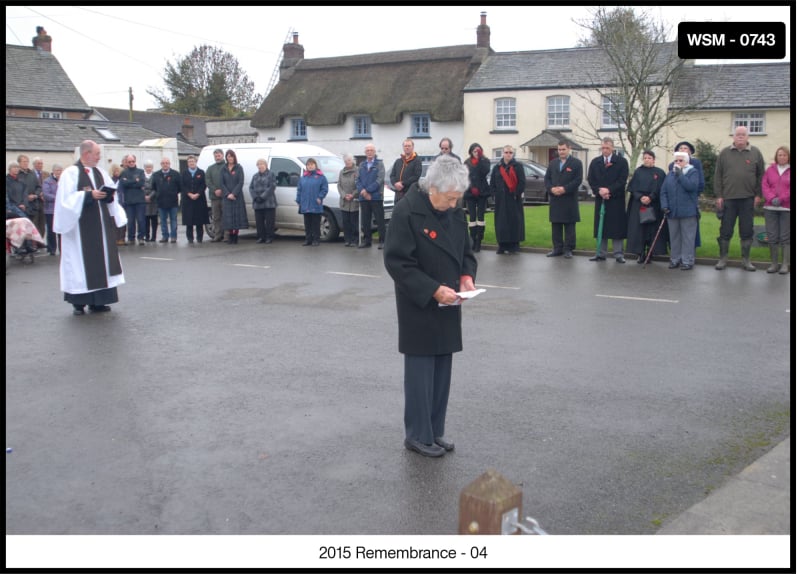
42,40
187,129
483,32
293,54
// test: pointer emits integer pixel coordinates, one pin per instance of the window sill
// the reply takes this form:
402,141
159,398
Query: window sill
504,132
419,137
361,137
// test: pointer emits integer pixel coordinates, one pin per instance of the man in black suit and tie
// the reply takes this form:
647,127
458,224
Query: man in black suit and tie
562,180
608,177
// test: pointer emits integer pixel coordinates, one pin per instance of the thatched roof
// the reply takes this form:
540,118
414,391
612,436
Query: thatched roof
384,86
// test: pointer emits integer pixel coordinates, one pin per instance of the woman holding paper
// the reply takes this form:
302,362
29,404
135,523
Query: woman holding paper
429,257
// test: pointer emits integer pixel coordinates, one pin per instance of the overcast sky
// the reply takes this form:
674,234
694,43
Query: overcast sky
132,44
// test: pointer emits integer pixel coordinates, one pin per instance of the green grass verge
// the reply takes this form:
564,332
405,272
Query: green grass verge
537,233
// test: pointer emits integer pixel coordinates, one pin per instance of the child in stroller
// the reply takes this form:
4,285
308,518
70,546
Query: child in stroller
21,233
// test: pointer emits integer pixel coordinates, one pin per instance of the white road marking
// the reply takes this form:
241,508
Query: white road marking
638,298
158,258
496,286
354,274
253,266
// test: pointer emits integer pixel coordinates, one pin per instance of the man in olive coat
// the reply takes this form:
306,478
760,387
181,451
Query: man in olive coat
429,257
608,177
561,181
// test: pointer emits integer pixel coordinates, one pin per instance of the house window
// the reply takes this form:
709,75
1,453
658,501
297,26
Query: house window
50,115
505,113
558,112
755,122
363,127
421,125
299,129
613,111
497,153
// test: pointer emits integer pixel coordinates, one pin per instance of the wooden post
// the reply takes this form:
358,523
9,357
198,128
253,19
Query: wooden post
484,501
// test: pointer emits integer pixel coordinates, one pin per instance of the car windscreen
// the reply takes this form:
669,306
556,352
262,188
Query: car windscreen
330,165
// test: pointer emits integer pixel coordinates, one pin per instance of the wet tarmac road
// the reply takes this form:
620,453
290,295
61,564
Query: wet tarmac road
257,389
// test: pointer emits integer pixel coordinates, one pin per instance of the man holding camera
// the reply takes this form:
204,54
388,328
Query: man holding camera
86,212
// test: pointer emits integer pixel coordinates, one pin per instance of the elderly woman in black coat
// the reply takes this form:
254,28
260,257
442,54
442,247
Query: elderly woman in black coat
429,257
644,189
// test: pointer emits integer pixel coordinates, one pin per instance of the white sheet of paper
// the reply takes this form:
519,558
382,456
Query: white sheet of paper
464,295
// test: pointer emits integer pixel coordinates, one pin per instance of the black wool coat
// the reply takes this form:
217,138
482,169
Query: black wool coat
420,254
615,178
194,211
167,188
564,208
509,213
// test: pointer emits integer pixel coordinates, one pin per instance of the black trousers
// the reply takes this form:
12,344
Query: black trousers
368,210
427,389
745,211
563,236
350,221
190,234
311,223
476,207
265,223
151,227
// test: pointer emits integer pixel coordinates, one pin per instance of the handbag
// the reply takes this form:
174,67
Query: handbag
647,214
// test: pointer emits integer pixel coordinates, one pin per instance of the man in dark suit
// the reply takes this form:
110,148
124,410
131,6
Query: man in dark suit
429,257
608,176
167,186
562,180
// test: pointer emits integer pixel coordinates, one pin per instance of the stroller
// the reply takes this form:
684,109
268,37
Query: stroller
21,234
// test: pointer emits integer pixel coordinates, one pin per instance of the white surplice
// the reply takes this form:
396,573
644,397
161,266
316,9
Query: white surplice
68,209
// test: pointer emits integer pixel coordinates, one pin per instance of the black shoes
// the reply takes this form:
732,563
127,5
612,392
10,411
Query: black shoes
444,443
163,240
555,254
568,254
380,245
674,265
431,450
78,310
364,245
261,240
686,267
597,258
620,259
99,308
315,243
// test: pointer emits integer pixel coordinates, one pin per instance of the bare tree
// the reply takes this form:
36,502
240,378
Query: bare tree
636,73
210,82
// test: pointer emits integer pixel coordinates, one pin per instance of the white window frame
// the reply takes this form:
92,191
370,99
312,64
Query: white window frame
612,106
50,115
421,125
558,111
505,113
755,122
299,131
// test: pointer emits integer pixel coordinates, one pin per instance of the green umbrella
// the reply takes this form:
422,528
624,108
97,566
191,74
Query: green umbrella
600,225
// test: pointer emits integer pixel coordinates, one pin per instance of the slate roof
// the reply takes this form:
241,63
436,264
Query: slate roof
551,69
35,79
735,86
46,135
383,85
550,138
164,123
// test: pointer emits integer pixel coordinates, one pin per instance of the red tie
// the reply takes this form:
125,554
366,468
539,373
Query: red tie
88,171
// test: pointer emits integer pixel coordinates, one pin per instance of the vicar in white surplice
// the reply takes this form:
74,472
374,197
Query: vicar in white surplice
86,217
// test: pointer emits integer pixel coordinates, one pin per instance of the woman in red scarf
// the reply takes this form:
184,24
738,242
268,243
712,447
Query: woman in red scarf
477,193
507,184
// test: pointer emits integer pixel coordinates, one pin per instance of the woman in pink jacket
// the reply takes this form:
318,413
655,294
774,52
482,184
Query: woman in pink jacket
776,186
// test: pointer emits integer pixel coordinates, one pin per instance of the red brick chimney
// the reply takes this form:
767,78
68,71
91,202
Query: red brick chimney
42,39
187,129
483,32
295,50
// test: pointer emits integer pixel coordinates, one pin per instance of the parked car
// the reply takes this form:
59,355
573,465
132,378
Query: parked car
535,193
287,161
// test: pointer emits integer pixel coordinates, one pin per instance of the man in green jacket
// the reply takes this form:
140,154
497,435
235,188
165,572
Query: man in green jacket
214,184
737,182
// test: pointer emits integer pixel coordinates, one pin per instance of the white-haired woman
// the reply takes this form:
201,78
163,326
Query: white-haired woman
429,257
679,203
348,200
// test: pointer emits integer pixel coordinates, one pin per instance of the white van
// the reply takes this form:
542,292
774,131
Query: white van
287,161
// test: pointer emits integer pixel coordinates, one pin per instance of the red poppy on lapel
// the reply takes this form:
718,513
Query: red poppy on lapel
432,235
747,161
655,176
169,178
569,169
198,176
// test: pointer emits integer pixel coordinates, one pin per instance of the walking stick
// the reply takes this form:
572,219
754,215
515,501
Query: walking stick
600,226
360,229
655,239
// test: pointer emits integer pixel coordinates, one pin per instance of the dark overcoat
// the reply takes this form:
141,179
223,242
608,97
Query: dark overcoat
564,208
478,177
167,188
194,211
234,214
509,215
421,253
614,176
646,181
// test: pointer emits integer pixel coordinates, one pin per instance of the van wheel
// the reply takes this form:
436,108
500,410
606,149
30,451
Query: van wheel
328,228
210,231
